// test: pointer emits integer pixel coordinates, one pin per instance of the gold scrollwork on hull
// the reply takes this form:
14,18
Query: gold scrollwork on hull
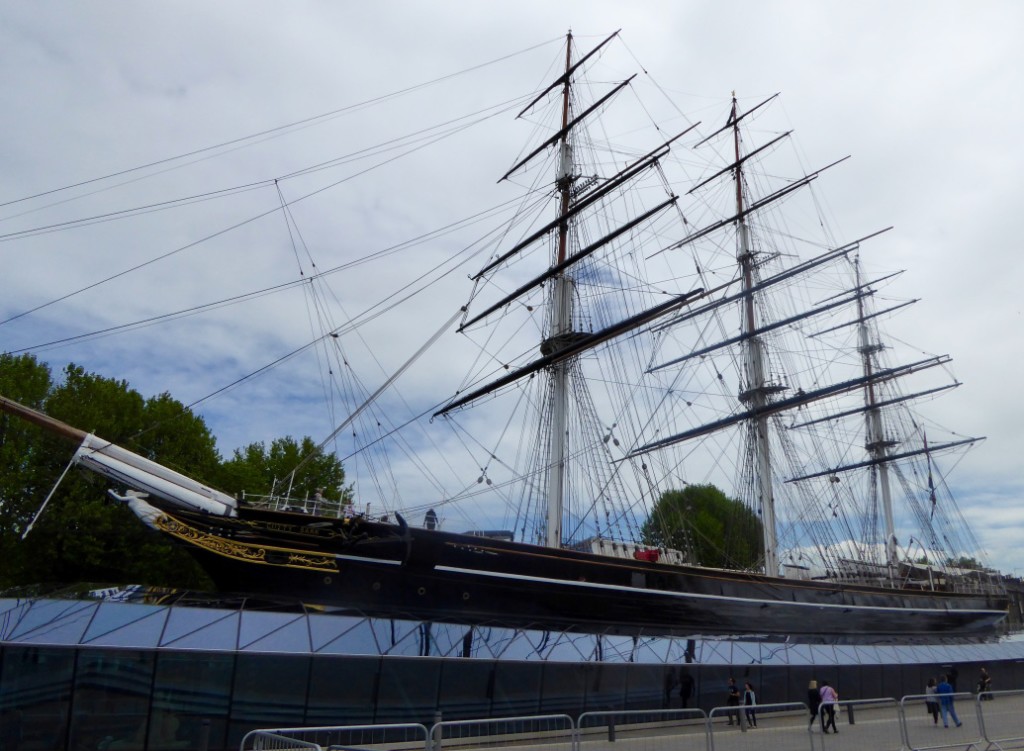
245,551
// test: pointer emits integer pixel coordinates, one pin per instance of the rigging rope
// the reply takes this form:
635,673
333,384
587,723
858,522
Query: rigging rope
48,497
384,386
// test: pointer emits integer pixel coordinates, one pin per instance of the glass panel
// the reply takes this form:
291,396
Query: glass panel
492,642
866,681
190,687
651,650
269,692
124,625
274,632
516,688
606,687
615,648
466,689
453,641
563,688
571,648
11,612
196,628
403,638
798,682
840,655
342,691
407,691
35,690
646,686
771,685
54,621
799,654
913,679
328,630
517,645
111,701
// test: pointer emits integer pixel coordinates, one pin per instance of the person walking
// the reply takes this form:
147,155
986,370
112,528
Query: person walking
749,702
732,699
931,701
813,702
829,697
984,686
945,694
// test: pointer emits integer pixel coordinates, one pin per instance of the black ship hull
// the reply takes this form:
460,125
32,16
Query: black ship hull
395,571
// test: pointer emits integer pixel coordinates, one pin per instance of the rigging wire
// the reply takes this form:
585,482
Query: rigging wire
282,128
226,230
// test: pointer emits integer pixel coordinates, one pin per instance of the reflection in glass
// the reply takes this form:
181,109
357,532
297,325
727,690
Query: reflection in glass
111,703
190,687
35,690
342,691
270,691
516,688
407,690
466,690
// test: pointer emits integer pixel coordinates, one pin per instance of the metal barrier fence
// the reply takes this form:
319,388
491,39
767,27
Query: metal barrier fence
876,724
269,740
642,730
739,728
550,732
405,736
1001,716
993,721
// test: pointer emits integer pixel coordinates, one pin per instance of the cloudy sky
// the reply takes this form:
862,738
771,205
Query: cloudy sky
925,95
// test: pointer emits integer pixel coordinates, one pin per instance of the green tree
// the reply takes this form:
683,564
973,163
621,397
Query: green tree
714,529
257,470
82,535
965,562
24,478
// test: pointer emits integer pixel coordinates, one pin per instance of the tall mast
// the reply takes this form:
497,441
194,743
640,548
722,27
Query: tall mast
755,397
876,444
561,325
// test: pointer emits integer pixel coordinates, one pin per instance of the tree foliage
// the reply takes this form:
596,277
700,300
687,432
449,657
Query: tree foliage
82,535
712,528
258,470
965,562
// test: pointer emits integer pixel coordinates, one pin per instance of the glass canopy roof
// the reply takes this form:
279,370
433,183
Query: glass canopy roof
139,617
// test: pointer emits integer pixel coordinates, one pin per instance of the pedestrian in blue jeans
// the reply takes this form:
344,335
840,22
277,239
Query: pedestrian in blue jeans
945,692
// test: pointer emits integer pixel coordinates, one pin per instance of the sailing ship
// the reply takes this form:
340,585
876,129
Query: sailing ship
747,361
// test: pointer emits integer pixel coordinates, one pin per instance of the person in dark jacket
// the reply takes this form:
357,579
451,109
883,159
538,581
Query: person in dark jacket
984,686
732,699
813,702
